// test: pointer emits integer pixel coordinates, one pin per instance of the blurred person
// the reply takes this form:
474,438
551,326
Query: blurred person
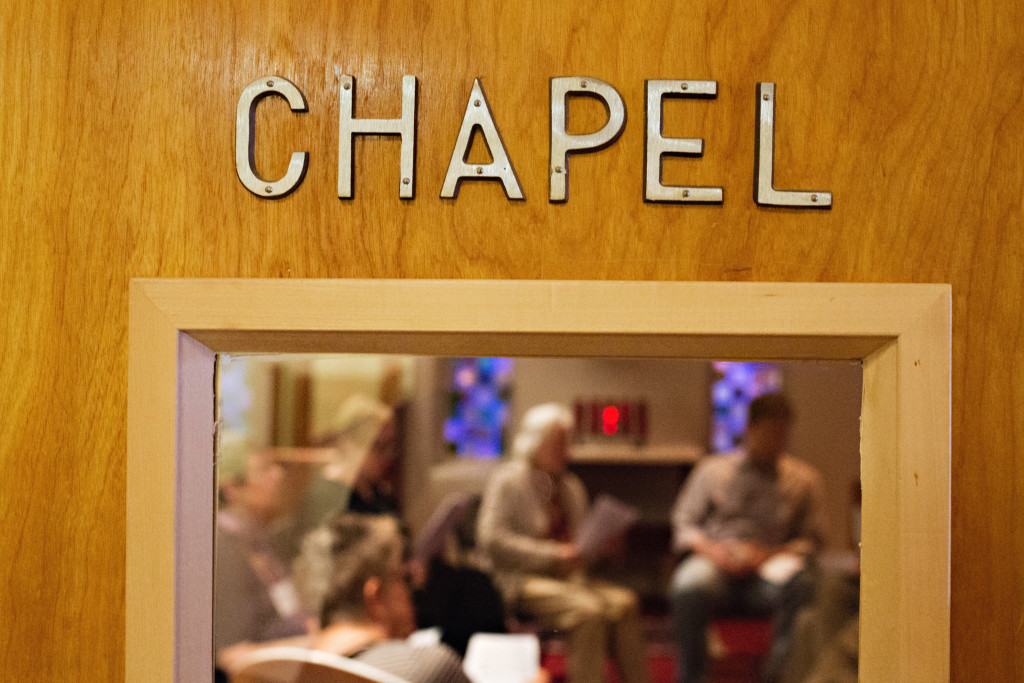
365,438
826,633
825,638
254,599
460,600
351,574
751,522
270,499
530,511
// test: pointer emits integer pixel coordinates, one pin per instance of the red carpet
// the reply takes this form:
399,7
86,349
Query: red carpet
662,668
745,642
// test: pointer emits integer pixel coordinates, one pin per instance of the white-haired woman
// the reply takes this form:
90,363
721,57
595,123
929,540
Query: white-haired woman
530,511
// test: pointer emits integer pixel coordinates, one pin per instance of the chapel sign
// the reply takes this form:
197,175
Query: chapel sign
478,117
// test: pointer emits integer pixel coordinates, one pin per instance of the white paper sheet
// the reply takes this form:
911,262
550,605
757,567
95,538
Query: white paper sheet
781,567
502,658
607,517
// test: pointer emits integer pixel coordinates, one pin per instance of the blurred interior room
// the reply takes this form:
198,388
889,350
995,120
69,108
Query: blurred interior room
641,426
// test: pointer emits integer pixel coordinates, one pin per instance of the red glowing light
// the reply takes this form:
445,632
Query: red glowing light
610,418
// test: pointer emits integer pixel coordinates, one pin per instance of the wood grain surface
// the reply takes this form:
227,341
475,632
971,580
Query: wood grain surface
117,133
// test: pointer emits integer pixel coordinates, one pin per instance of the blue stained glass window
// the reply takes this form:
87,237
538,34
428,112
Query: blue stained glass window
478,406
733,387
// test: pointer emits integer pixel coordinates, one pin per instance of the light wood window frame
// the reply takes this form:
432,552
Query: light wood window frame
901,333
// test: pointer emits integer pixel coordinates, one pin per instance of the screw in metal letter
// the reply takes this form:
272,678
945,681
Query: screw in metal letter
405,181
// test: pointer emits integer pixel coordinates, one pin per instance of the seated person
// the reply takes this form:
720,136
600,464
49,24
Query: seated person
366,438
351,574
460,600
253,598
750,521
529,513
826,634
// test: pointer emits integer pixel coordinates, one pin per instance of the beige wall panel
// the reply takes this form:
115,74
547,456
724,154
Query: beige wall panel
117,140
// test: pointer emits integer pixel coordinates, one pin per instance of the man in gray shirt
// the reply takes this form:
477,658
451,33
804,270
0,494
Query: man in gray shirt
750,521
